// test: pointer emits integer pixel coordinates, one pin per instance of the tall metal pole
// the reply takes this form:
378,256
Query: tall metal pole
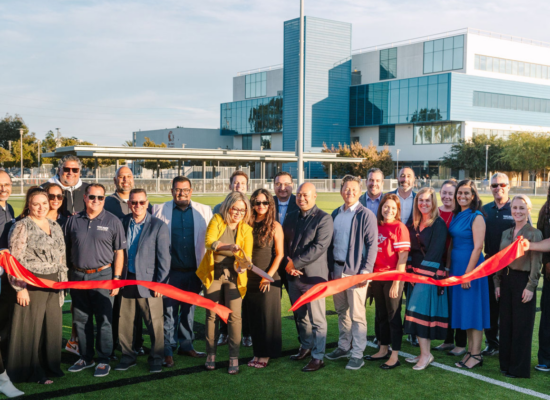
22,172
486,159
398,150
301,100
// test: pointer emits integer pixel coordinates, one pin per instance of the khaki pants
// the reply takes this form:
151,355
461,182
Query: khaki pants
352,318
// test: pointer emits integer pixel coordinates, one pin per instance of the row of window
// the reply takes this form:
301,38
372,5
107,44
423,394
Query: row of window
401,101
265,142
511,102
388,63
256,85
500,133
449,132
511,67
444,54
252,116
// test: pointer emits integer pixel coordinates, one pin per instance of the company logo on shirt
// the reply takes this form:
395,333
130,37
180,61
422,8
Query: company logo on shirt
507,217
103,228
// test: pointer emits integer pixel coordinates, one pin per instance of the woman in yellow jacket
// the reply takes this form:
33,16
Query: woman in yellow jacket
227,234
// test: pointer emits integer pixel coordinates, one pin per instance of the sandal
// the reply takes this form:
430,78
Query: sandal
252,363
233,369
477,357
260,364
210,365
460,364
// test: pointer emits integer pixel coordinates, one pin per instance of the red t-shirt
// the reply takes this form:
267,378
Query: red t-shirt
392,238
447,216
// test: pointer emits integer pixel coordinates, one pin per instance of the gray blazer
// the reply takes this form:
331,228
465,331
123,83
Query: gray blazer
308,247
153,254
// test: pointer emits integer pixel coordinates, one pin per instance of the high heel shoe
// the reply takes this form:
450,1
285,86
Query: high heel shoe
460,364
477,357
420,368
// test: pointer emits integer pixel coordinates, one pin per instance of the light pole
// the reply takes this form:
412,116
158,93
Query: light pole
301,100
21,134
398,150
486,159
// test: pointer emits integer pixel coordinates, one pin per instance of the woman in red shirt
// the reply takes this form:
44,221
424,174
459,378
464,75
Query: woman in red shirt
393,249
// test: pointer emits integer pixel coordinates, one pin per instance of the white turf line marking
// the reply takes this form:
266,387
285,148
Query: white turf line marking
477,376
68,301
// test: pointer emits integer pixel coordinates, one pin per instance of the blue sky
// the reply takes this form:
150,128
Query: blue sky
99,70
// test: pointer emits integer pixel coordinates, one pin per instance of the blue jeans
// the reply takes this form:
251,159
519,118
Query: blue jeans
180,314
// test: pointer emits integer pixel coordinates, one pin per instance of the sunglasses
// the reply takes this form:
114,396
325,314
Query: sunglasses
261,203
495,185
238,211
92,197
53,197
73,170
140,202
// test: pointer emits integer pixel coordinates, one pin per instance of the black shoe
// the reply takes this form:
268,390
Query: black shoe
412,339
139,352
490,351
124,366
386,366
155,369
508,375
371,358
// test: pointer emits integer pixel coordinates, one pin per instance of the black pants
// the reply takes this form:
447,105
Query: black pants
517,321
457,337
7,300
388,314
544,327
491,335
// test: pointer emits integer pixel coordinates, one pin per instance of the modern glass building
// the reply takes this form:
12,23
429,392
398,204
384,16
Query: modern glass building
417,96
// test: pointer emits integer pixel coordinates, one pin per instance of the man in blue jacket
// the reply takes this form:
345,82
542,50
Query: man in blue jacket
352,251
147,259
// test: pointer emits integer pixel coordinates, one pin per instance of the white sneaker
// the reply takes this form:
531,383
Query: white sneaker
72,347
7,387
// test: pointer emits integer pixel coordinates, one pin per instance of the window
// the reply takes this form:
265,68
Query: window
444,54
388,64
511,67
510,102
355,78
263,115
265,142
256,85
448,132
386,135
247,142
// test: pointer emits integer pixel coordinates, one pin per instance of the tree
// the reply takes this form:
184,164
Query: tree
9,129
471,155
152,164
527,151
372,159
5,156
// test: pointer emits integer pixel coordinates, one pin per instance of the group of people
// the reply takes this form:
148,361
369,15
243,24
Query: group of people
71,230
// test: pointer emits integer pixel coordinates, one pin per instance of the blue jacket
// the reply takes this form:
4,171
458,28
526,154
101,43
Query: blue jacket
363,242
153,255
410,220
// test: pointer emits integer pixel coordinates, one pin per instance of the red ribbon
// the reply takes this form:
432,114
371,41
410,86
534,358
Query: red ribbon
14,268
486,268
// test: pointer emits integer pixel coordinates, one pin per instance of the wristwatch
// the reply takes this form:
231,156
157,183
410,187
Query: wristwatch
117,277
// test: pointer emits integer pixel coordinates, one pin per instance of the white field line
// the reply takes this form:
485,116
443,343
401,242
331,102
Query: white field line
476,376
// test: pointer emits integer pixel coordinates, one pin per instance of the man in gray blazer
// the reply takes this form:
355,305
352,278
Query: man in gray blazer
147,259
308,234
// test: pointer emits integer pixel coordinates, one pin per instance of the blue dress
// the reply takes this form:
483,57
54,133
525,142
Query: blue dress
469,307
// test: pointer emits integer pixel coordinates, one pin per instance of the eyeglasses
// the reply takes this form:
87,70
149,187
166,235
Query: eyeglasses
261,203
184,191
93,197
495,185
140,202
238,211
67,170
52,197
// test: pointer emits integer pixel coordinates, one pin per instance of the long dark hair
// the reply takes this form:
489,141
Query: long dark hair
33,191
544,213
264,229
476,204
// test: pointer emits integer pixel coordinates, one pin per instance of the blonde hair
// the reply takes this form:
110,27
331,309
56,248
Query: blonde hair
229,201
417,215
525,199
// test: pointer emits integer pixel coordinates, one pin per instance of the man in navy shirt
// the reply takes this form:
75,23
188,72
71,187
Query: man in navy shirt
95,244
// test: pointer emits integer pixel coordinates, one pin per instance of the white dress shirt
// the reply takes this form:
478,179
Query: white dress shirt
282,210
406,206
342,231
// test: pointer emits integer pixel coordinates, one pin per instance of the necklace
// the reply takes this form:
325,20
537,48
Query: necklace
448,219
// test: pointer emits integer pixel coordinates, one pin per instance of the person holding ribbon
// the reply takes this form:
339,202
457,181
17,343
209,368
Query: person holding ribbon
516,288
393,250
36,329
262,297
227,233
427,314
470,300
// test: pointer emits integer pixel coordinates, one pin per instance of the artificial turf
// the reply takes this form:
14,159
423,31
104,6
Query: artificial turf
283,378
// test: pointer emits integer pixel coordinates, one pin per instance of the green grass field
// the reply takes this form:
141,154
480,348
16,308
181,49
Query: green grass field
282,379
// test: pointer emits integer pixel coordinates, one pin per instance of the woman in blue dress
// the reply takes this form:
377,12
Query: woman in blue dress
469,301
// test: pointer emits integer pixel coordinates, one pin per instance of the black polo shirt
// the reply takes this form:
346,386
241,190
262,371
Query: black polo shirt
91,242
497,220
6,222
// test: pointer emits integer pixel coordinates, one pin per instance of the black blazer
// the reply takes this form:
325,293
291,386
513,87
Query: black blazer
292,206
308,248
153,253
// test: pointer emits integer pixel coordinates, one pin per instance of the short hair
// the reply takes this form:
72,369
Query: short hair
406,167
525,199
231,199
48,185
123,166
375,171
69,157
238,173
476,204
32,192
388,196
434,212
136,191
500,175
178,179
350,178
283,173
94,185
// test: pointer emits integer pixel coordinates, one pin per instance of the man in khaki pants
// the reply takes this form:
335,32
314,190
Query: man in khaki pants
352,252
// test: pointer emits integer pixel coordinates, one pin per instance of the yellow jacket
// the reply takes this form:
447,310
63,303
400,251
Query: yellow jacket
244,240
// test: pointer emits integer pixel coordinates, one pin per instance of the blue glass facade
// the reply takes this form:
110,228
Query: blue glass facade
401,101
263,115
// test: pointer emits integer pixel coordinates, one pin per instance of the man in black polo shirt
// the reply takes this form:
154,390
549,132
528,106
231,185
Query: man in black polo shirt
498,218
95,243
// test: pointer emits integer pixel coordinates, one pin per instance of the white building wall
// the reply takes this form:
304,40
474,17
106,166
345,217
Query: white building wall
256,142
194,138
237,142
277,141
